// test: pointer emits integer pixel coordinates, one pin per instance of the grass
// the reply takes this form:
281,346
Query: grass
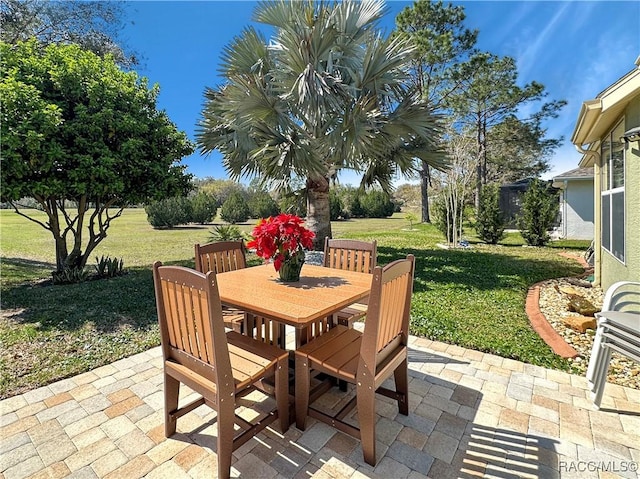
473,298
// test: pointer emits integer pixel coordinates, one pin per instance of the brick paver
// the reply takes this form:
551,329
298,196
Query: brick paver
471,415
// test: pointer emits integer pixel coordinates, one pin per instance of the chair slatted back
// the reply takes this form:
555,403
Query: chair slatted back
623,296
351,255
387,323
190,317
220,256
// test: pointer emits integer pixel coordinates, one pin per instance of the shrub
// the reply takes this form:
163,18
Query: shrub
490,223
69,276
538,213
226,233
203,208
377,204
169,212
261,205
335,206
109,268
355,206
411,218
235,209
444,218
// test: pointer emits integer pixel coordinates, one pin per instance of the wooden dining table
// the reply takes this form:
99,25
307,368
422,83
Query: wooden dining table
319,295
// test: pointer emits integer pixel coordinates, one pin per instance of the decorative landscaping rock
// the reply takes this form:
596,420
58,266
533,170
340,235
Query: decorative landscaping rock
569,290
553,305
582,306
580,323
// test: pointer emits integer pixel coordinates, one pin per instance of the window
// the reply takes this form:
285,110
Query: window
612,171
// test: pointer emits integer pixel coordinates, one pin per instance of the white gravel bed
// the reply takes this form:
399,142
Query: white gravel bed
553,305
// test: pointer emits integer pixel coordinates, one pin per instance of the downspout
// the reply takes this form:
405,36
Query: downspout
597,219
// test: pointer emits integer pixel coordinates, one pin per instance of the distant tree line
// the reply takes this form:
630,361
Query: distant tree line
237,203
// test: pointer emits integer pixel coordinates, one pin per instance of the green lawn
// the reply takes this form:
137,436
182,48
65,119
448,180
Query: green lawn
474,298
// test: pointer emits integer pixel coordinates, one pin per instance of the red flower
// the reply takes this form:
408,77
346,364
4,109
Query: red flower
280,238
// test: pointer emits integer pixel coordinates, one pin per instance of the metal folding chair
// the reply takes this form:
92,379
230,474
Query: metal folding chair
618,330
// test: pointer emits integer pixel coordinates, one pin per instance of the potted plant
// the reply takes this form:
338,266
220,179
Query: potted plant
283,239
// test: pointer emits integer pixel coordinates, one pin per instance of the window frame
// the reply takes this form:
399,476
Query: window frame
615,243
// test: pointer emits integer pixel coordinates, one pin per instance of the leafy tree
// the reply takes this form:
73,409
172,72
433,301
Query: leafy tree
328,92
407,195
377,204
518,149
94,25
169,212
82,138
490,96
221,189
449,207
356,209
490,221
235,209
335,205
538,213
262,205
441,41
203,208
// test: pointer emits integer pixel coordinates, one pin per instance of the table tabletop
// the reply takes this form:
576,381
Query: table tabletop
320,292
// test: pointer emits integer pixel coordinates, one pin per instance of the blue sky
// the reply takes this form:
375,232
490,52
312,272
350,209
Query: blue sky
576,49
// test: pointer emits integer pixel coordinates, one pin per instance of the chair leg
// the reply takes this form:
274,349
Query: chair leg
303,379
282,394
401,377
226,431
601,377
366,404
171,392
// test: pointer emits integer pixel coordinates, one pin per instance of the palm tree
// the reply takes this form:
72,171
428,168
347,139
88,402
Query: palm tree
328,92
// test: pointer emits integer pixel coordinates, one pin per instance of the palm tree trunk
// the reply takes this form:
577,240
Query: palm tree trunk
425,180
318,217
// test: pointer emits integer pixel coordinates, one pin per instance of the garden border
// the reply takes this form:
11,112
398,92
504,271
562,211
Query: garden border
539,321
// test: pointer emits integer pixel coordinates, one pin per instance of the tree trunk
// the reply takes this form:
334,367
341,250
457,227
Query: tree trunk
425,180
318,217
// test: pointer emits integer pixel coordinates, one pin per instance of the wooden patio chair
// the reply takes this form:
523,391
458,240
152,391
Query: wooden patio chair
221,367
225,256
352,255
219,257
365,359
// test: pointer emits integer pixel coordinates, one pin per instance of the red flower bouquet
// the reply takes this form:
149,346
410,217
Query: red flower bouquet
283,239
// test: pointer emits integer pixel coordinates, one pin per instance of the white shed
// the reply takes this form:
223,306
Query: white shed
576,204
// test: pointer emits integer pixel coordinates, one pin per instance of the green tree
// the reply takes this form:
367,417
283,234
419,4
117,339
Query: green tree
538,213
490,221
328,92
518,149
95,26
335,205
84,140
203,208
489,96
221,189
441,41
169,212
235,209
262,205
377,204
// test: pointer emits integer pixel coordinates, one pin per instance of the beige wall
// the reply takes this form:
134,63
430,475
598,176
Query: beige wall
611,269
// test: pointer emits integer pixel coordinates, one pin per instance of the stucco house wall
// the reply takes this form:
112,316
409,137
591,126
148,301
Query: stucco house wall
612,269
611,115
576,204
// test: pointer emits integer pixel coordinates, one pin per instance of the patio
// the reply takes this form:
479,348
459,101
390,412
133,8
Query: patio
471,415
